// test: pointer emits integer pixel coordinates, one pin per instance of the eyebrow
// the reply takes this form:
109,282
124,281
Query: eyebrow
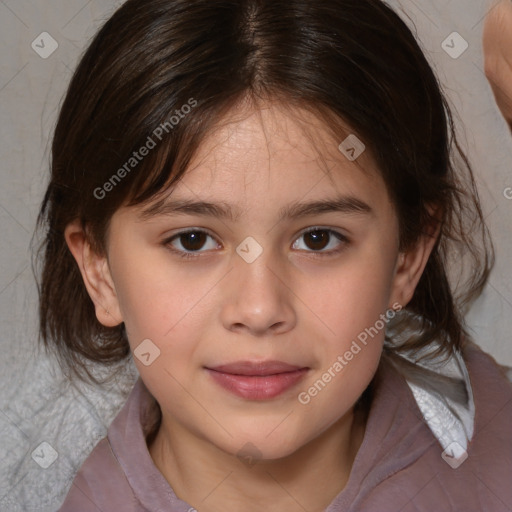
296,210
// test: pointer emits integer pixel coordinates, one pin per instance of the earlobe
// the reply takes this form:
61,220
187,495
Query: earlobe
95,274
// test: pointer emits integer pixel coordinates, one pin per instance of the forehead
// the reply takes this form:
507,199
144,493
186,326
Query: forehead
271,163
274,135
277,154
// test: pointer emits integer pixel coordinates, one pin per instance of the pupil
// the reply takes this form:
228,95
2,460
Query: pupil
194,240
316,237
197,239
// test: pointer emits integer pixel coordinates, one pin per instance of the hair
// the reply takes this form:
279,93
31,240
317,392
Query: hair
350,62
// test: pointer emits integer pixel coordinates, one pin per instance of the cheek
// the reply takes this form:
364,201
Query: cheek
357,297
350,353
164,305
334,391
353,298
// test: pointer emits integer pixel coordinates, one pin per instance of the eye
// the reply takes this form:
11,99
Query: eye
318,238
190,242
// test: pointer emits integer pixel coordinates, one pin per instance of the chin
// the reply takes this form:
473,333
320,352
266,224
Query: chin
251,448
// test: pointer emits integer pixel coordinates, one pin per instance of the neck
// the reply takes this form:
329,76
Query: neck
212,480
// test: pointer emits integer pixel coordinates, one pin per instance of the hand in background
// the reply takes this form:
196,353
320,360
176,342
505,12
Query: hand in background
497,42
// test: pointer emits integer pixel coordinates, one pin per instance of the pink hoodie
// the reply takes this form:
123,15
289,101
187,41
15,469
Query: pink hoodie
397,468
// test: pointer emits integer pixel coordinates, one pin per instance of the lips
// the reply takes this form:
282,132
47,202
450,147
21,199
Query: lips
256,368
257,380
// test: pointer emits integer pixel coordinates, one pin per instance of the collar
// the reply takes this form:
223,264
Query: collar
397,423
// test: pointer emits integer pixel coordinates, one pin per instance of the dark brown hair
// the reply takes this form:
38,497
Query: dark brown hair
352,62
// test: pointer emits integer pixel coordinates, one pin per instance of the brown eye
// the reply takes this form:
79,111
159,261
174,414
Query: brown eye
188,243
318,239
193,240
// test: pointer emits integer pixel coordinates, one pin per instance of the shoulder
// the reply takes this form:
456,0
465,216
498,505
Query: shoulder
100,484
119,474
486,374
480,477
454,478
492,392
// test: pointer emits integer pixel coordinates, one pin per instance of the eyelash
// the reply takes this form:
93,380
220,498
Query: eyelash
322,254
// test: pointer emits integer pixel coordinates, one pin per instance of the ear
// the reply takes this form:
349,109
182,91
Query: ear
411,264
96,275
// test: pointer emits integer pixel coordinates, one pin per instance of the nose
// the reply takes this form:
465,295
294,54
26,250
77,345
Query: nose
258,298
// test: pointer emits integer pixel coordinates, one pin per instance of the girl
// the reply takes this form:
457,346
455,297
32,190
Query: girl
257,199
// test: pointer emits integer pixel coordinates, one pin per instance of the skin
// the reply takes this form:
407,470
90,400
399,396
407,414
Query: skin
497,43
291,304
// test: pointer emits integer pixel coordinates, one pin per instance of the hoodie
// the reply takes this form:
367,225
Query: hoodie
420,452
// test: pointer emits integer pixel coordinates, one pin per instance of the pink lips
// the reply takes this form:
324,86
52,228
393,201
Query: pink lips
257,380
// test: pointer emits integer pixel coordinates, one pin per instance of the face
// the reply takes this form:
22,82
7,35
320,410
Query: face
205,290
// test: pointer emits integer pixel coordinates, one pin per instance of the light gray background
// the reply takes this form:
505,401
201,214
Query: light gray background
34,405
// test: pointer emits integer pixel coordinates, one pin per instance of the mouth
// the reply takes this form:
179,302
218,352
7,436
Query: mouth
257,380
